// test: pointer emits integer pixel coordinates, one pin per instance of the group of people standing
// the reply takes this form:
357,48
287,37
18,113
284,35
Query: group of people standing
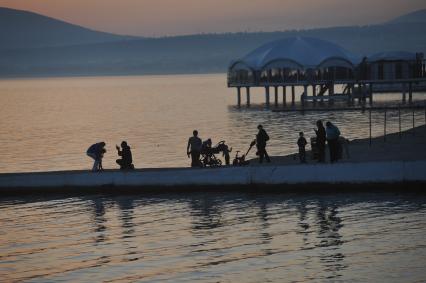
97,151
329,134
194,147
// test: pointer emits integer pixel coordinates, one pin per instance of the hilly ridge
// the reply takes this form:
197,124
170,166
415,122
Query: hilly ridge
119,55
22,29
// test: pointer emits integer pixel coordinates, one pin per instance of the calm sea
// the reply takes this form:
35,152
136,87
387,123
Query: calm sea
48,124
214,237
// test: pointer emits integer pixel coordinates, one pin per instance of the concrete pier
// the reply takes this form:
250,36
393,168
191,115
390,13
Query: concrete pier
343,173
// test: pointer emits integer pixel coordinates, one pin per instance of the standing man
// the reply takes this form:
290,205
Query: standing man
194,149
321,137
261,139
333,134
126,156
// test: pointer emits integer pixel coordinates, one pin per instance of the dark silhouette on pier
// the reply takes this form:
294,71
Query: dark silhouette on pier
261,139
126,156
193,149
96,151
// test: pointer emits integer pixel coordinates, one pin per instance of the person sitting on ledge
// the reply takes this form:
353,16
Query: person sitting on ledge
126,161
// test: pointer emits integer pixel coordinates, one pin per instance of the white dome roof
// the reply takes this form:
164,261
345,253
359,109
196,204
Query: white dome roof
299,52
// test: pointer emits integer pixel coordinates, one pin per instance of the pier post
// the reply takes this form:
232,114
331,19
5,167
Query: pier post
404,93
331,89
267,100
248,96
304,94
371,94
239,96
284,95
293,96
314,93
410,93
276,96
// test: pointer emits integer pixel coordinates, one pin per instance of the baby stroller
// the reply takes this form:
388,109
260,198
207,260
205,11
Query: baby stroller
208,152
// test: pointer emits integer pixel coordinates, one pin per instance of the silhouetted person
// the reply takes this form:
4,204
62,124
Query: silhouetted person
333,134
261,139
126,156
321,138
96,151
194,149
301,142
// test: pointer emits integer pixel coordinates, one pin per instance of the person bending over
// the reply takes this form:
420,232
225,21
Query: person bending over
96,151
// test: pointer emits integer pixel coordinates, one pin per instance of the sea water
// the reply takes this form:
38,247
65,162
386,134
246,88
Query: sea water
47,124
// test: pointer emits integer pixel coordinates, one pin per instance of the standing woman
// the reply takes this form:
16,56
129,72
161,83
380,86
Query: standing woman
333,134
321,137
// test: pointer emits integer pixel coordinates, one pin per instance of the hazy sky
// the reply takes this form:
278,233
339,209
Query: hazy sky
171,17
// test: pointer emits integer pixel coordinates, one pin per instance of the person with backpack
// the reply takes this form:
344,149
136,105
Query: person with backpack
96,151
261,139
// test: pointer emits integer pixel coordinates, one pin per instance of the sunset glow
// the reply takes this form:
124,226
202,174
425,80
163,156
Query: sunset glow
171,17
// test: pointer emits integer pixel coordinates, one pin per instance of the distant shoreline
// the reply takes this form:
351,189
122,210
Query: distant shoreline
153,74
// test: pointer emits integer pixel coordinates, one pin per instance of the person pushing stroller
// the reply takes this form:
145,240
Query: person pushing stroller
261,139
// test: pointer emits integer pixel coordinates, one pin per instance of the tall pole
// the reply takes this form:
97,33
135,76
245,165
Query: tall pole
413,122
293,95
369,118
399,120
384,128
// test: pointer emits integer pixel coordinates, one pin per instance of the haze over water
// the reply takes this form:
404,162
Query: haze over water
47,124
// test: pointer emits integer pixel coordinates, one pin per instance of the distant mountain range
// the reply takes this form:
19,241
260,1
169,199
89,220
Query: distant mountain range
35,45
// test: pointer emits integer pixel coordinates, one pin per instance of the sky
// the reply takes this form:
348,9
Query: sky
177,17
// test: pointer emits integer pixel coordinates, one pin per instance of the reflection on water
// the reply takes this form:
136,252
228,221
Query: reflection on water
53,121
214,237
